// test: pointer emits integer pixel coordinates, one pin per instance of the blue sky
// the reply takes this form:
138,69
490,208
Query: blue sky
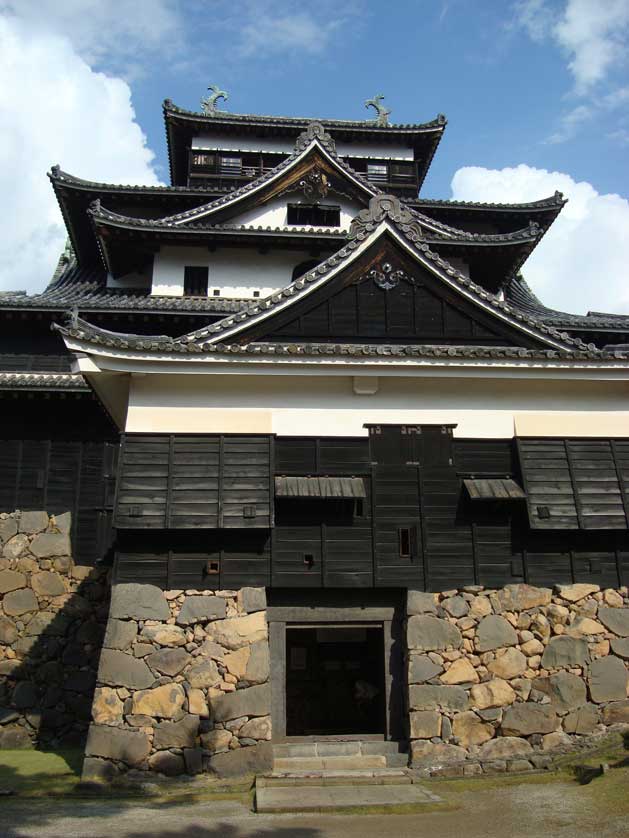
536,93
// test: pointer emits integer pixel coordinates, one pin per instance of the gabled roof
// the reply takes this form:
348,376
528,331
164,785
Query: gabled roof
182,125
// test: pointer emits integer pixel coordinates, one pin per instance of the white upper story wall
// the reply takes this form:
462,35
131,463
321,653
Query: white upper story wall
274,213
233,271
218,142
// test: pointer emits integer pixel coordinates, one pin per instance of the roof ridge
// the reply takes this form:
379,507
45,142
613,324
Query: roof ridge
552,201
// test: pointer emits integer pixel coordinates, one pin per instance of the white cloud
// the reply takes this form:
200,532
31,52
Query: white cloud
55,109
570,124
581,263
593,33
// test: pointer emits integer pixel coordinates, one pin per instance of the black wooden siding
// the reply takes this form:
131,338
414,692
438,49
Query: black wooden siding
576,483
195,482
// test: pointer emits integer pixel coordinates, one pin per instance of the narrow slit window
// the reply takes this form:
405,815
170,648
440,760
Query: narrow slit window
195,281
404,542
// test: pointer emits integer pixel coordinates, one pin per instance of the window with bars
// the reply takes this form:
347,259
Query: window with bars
313,215
195,279
230,165
377,172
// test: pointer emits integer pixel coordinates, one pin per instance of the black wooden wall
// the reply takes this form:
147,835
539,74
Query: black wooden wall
416,527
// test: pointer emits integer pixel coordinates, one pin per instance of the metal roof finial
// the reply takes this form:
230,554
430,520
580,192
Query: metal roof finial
209,103
382,117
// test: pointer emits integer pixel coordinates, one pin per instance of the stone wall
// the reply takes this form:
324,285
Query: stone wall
500,680
52,620
183,684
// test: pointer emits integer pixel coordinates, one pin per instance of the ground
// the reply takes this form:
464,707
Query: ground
541,806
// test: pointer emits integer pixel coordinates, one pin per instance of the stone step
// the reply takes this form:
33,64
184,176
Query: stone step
375,776
394,753
330,763
318,798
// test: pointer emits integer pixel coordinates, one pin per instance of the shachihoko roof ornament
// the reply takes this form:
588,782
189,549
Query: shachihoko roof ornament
209,104
382,113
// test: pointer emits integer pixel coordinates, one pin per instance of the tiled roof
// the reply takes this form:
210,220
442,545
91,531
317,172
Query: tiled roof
437,124
552,202
381,208
519,294
85,288
57,175
42,381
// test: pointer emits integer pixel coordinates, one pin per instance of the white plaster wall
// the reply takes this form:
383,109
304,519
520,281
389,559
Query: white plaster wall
235,272
215,141
328,406
274,212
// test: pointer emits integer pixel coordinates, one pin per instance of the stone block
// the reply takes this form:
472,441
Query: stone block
48,584
15,546
166,635
79,682
129,746
504,747
566,690
118,669
495,693
201,609
421,669
494,632
252,599
583,720
574,593
47,545
107,708
236,662
11,580
527,718
8,528
181,734
418,602
193,759
258,729
235,632
431,754
521,597
120,634
14,737
8,715
10,667
615,619
19,602
132,601
216,741
565,651
616,713
163,702
197,704
620,646
470,730
48,623
455,606
509,665
259,664
428,697
8,631
256,759
424,724
32,522
556,740
425,633
168,661
461,672
203,675
607,680
98,770
62,522
167,763
25,695
253,701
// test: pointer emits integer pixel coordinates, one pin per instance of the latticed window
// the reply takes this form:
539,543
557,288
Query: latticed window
377,172
195,281
313,215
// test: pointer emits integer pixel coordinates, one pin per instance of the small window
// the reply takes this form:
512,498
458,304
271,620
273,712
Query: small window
205,161
313,215
216,292
230,165
195,281
404,542
256,293
377,172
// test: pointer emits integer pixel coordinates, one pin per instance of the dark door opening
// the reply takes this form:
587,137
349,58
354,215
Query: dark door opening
335,680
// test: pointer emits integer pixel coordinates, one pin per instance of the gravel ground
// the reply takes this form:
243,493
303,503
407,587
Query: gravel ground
551,809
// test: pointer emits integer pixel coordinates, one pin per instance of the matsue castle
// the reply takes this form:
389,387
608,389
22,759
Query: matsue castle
299,475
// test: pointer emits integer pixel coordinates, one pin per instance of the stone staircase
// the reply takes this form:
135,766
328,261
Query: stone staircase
354,756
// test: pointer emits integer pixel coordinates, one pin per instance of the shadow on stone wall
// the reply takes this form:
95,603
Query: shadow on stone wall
53,615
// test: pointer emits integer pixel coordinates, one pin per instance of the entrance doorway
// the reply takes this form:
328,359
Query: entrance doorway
335,680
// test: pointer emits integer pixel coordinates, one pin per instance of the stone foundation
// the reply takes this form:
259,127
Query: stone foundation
52,620
500,680
183,684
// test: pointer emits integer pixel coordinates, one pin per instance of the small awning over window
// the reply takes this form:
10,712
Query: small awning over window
320,487
494,488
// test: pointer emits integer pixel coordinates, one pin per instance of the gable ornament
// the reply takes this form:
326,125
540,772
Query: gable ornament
315,131
385,277
315,184
382,207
